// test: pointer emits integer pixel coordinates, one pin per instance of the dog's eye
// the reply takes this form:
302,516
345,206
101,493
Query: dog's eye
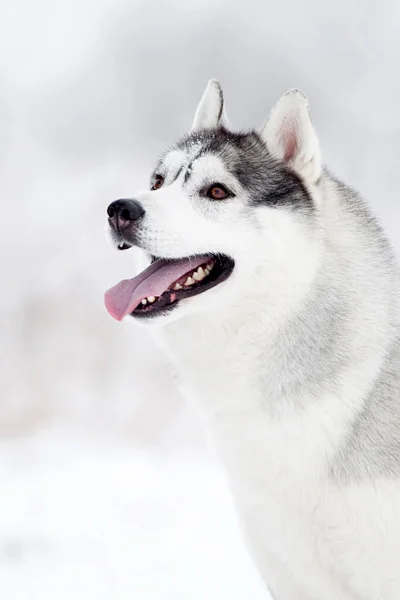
158,182
217,192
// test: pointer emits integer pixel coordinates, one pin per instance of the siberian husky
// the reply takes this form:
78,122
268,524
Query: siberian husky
276,294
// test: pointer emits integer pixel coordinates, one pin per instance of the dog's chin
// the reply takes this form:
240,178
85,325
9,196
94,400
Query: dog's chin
182,299
167,317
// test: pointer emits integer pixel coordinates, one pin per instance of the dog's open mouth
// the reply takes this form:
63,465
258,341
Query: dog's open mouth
165,283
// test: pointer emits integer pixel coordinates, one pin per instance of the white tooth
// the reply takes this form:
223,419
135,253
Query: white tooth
210,266
144,301
177,286
200,271
151,299
189,281
207,271
198,277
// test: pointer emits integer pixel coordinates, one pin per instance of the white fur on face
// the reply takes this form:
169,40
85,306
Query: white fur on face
274,250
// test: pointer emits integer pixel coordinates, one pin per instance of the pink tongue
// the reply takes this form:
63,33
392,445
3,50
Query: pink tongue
124,297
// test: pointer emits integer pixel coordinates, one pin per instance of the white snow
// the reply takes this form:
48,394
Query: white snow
86,517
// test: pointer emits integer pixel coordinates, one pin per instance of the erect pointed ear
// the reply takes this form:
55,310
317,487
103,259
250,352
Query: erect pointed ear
210,111
290,136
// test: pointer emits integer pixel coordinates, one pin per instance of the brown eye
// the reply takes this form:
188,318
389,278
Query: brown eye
217,192
158,182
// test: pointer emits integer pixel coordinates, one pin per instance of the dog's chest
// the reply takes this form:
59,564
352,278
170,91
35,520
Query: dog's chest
276,468
273,468
225,380
275,479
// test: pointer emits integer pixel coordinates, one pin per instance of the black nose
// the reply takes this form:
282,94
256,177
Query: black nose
123,212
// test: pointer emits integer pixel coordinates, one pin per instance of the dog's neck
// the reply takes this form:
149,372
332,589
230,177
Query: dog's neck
285,392
289,361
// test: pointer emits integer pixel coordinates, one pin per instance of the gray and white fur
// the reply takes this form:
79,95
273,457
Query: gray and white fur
295,358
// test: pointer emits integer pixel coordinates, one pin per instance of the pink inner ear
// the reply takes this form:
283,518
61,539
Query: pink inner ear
289,140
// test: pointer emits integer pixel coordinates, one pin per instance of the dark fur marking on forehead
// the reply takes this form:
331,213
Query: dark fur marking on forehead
177,175
267,180
190,165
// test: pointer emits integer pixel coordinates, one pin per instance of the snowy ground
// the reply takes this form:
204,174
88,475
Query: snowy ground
83,517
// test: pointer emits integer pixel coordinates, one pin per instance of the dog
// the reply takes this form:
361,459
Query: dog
276,295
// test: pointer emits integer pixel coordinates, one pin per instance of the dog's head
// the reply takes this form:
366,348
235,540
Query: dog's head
228,217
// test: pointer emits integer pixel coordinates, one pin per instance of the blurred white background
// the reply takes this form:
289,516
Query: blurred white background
108,489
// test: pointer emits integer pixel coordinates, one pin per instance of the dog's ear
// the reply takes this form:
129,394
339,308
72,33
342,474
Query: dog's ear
290,136
210,112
